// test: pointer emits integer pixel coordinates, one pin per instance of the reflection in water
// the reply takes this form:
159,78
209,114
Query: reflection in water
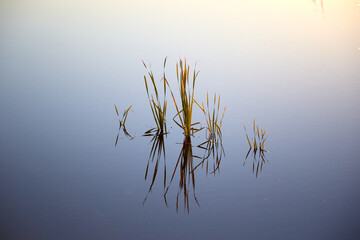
123,128
185,163
213,148
156,153
321,3
259,160
187,175
316,3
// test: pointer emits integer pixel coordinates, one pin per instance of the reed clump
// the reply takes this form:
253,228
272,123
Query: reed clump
213,121
186,82
213,144
259,139
158,106
122,121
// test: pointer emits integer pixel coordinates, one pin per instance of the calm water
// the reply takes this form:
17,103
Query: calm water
294,66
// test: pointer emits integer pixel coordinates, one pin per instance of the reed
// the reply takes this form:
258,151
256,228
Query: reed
158,107
259,138
213,144
122,120
186,89
213,121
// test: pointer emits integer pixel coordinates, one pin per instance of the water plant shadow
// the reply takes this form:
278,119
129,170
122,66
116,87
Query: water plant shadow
156,153
321,2
259,159
213,149
126,134
185,164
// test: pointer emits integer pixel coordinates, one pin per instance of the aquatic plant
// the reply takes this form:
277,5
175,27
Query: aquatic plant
258,143
213,144
122,120
213,122
259,135
158,110
187,90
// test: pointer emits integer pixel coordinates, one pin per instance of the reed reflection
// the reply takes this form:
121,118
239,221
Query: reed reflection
213,150
316,3
157,153
185,164
126,134
259,159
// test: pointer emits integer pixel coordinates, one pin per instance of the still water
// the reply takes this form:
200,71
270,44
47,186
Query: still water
293,66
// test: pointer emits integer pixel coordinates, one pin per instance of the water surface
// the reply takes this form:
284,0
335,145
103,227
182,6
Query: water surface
292,66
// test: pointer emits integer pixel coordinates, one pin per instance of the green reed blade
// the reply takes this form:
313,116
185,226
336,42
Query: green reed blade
248,141
126,114
117,138
147,89
116,110
263,134
165,61
263,143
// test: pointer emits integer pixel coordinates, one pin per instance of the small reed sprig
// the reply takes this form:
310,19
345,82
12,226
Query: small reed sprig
158,110
259,138
122,120
213,121
186,90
